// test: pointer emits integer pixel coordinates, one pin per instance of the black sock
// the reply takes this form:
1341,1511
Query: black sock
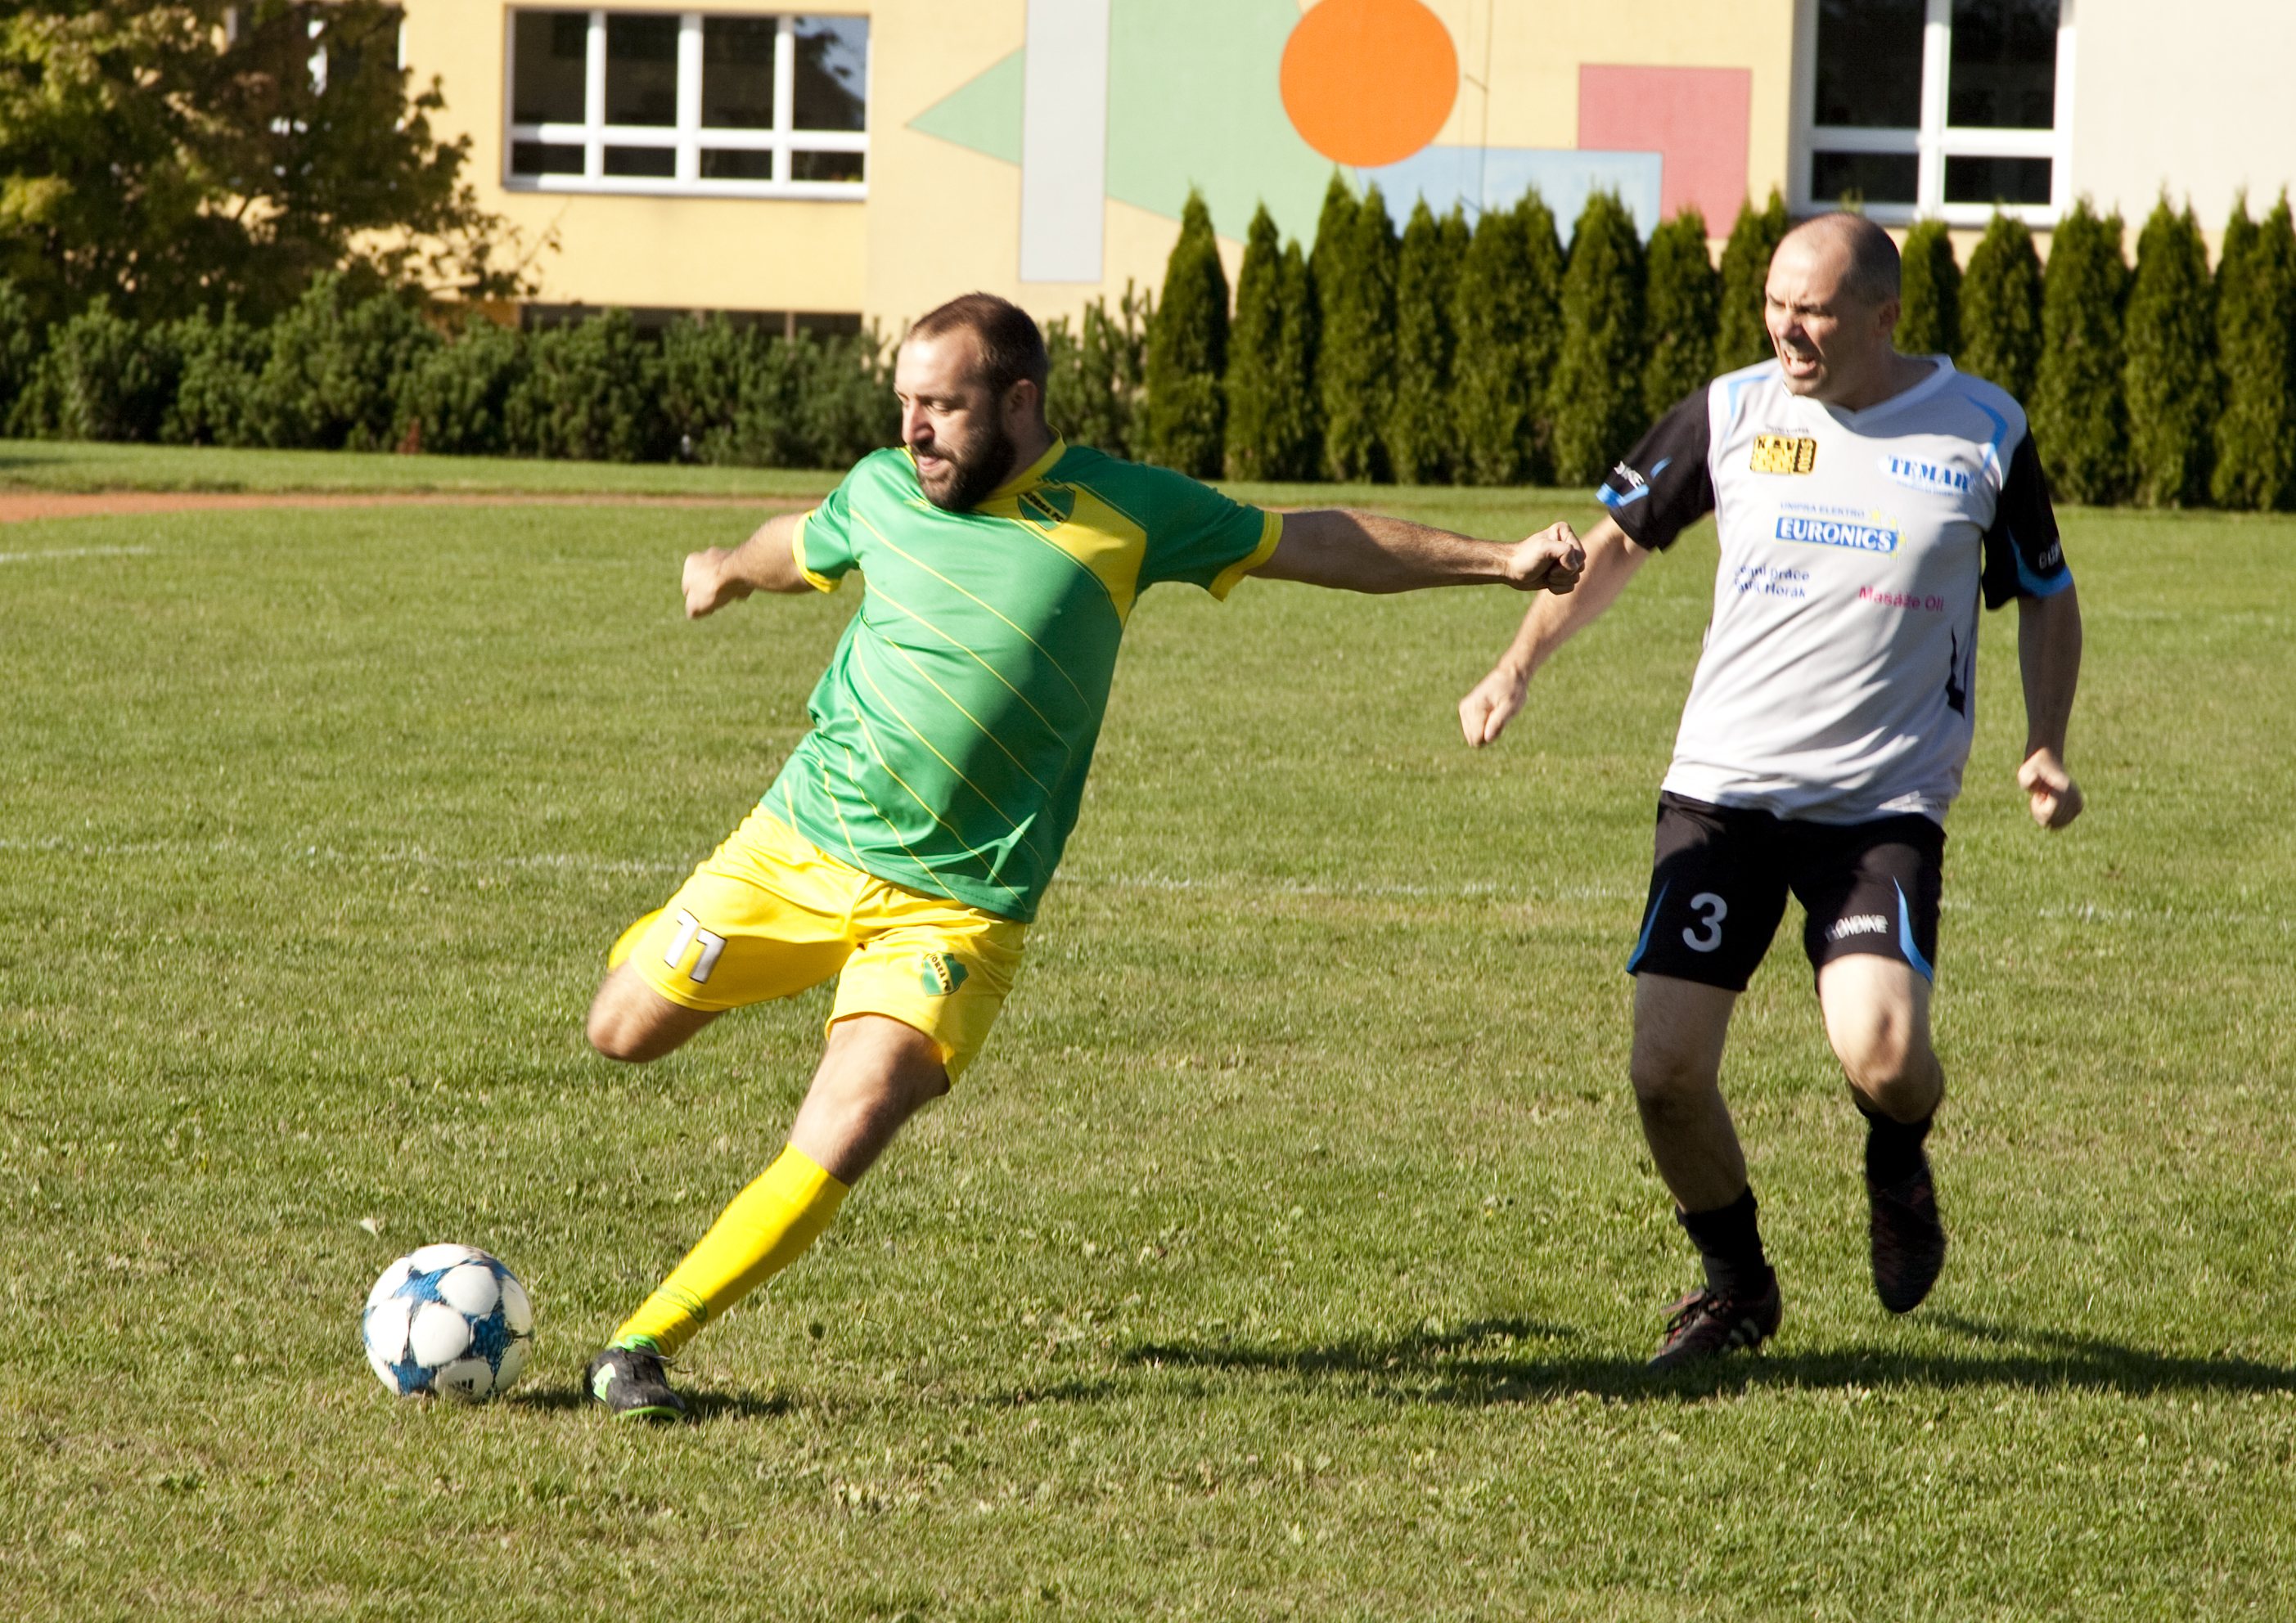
1893,1149
1730,1242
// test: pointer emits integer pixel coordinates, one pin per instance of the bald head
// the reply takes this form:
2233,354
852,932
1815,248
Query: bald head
1860,251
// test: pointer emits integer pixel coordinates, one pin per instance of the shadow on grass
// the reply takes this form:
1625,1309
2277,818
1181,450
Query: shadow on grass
705,1405
1481,1363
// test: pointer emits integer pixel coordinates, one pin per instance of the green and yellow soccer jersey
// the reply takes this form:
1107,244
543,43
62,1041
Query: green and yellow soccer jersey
957,720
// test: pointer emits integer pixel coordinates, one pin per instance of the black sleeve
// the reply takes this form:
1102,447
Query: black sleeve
2023,557
1663,487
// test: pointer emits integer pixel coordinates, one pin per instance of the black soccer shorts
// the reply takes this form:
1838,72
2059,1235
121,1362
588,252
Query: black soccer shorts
1719,884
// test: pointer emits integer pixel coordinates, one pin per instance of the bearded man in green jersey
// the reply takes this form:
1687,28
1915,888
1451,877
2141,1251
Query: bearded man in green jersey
909,838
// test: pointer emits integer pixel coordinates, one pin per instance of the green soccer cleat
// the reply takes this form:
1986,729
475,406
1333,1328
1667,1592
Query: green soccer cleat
630,1381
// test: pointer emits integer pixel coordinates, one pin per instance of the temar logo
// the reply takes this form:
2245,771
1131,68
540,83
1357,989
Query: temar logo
1917,473
1836,532
940,974
1784,454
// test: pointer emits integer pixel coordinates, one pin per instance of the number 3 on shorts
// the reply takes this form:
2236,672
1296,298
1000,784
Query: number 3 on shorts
689,931
1711,910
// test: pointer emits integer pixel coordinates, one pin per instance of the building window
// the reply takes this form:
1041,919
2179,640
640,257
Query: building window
1942,108
688,103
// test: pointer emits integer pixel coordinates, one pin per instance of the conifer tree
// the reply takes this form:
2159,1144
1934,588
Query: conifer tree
2001,309
1187,351
1929,303
1542,328
1297,443
1741,337
1491,379
2080,421
1426,277
2256,346
1357,379
1255,348
2169,378
1684,297
1597,398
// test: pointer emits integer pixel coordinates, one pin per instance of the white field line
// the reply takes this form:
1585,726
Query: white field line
76,552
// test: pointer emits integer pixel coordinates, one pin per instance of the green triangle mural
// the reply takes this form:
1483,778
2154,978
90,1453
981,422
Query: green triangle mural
982,115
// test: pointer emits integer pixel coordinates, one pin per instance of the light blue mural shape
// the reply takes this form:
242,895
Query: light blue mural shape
1478,177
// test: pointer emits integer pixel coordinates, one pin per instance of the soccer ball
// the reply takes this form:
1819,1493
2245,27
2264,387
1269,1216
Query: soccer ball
447,1318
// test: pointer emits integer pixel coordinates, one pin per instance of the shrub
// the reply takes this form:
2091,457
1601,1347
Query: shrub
456,397
103,377
1298,438
1597,392
22,335
1685,299
336,367
1491,384
592,391
706,365
2001,309
845,404
214,397
1542,326
1740,336
1092,395
1187,351
1929,306
2169,377
2256,347
1254,351
1418,436
1355,376
2078,417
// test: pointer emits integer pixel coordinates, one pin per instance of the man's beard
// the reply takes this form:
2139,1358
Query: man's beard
975,473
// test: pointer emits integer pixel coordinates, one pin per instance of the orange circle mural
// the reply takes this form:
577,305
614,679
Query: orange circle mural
1369,82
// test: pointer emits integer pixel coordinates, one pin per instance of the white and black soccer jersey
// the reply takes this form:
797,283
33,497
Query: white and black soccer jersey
1836,681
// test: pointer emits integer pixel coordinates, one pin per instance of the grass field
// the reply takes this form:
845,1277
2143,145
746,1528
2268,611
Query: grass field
1292,1251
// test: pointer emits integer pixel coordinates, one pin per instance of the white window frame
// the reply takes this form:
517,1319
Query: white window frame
688,136
1935,140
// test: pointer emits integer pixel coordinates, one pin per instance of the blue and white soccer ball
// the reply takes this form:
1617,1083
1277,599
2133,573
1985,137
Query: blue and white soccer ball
451,1319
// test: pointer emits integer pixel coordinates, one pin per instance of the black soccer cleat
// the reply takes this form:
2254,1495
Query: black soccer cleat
1908,1241
1708,1323
630,1381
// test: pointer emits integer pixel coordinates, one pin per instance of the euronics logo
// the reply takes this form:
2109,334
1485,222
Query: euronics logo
1833,532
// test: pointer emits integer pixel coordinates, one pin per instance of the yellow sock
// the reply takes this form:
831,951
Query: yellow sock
767,1227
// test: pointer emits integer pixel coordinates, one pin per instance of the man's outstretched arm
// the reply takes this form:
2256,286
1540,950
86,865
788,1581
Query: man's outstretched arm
1370,551
1611,559
765,563
2048,658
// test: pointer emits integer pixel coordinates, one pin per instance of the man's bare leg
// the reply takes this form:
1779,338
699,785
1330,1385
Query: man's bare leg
1877,1017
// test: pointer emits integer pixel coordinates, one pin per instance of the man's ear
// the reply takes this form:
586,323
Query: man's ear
1024,405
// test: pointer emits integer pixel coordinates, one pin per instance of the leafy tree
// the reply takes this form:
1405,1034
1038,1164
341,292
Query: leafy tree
103,377
1491,382
2256,346
336,366
1684,301
1597,392
2001,308
215,399
1355,376
592,392
23,337
2170,373
1419,441
1093,392
1929,306
456,399
176,156
1741,336
1187,351
2077,413
1254,351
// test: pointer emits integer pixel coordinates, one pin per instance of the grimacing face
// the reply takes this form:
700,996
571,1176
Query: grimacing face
952,424
1829,337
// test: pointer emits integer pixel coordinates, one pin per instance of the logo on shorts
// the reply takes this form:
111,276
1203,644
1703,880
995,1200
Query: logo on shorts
1858,924
1784,454
940,974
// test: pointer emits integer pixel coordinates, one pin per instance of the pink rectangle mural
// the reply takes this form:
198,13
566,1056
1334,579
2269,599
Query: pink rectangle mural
1697,119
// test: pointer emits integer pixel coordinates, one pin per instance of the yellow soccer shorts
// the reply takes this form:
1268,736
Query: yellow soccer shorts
770,914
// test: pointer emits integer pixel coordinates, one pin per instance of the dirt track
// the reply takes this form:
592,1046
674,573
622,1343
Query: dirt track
19,506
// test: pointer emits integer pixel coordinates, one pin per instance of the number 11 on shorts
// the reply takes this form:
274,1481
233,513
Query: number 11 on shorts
689,931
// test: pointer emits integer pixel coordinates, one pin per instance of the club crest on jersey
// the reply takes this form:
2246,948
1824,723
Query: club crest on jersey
1784,454
940,974
1918,473
1048,507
